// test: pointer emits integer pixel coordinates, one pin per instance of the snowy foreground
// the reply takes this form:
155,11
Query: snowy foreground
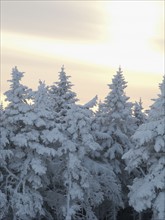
63,161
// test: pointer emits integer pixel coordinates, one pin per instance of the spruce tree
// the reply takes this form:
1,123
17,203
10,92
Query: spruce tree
49,139
62,95
116,122
27,166
148,156
114,126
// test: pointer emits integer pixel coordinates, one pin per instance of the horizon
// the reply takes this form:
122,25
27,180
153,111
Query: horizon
4,103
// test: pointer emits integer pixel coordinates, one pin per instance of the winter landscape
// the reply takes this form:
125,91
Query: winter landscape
84,140
62,160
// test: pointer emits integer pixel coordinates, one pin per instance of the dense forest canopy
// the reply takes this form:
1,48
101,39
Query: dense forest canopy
60,160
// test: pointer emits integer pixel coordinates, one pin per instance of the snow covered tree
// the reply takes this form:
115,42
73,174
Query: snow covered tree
114,125
138,113
61,98
62,95
148,155
50,136
116,122
27,166
23,201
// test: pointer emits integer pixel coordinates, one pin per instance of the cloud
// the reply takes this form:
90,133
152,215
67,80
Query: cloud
67,20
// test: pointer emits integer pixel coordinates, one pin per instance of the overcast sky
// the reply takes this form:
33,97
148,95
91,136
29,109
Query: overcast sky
91,38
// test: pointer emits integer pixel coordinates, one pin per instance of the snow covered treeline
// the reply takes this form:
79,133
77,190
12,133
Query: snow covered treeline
60,160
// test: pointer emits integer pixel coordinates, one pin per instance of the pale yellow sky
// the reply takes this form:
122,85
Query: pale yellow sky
91,38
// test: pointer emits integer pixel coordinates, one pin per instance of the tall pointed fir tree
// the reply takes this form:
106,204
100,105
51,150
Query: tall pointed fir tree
148,155
17,97
114,126
26,167
62,95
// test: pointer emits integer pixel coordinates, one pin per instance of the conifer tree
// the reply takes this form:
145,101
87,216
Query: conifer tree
22,201
114,126
26,167
148,155
50,136
116,121
62,95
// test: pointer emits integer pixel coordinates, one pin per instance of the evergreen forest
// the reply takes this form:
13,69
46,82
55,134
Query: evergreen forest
60,160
